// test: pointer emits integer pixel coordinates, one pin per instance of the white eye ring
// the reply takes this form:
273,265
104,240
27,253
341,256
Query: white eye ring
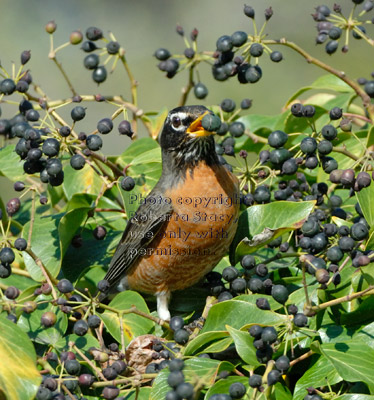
176,122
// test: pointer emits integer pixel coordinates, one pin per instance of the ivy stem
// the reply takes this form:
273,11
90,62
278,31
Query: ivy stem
279,256
134,310
49,278
117,172
88,361
255,138
124,380
52,56
339,74
32,219
301,358
134,90
347,153
357,116
186,90
307,300
210,301
21,272
311,310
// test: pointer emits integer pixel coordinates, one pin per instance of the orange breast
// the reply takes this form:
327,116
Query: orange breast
196,236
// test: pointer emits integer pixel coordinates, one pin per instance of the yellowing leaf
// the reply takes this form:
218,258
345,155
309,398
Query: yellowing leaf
133,325
19,377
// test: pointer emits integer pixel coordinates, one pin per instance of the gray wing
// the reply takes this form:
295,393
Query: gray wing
139,232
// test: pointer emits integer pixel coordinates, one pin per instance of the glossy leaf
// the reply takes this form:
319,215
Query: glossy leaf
223,385
45,245
238,314
69,225
204,369
30,323
353,360
260,224
198,344
244,346
325,82
133,325
85,180
365,198
10,163
321,372
19,377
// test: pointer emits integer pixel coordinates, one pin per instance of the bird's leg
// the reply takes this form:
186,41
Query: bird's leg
162,305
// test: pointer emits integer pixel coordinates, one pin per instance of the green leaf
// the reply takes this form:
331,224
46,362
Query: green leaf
93,253
19,377
252,298
244,346
82,342
354,361
150,156
10,164
198,344
354,397
370,137
238,314
189,300
362,314
141,393
44,243
325,82
85,180
155,121
319,374
133,325
203,369
30,323
68,226
282,392
336,333
254,122
136,148
296,124
331,82
262,223
144,159
222,386
365,198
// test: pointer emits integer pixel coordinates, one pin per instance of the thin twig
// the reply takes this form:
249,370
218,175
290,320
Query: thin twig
59,66
88,361
367,292
347,153
124,380
340,74
32,218
301,358
186,90
134,310
48,277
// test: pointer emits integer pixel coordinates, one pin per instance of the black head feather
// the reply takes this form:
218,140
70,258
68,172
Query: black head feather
181,150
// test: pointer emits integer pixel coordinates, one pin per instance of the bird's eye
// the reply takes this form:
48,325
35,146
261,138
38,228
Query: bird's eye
176,122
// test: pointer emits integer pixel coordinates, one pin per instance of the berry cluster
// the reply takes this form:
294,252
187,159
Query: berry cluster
235,55
334,25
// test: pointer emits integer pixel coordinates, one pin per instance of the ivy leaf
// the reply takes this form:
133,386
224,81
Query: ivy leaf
19,377
260,224
354,361
244,346
133,325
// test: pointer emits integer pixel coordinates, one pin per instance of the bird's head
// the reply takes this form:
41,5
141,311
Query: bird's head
184,141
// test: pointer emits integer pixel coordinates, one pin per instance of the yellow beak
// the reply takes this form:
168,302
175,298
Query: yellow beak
196,129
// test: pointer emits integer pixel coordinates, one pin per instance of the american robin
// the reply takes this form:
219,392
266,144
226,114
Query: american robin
185,225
